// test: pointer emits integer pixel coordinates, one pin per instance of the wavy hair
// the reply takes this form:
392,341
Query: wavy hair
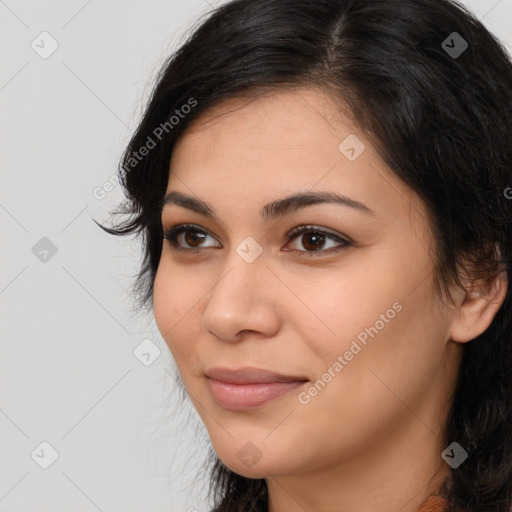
438,113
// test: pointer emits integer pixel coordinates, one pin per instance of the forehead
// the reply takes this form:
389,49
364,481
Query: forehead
259,148
283,134
296,116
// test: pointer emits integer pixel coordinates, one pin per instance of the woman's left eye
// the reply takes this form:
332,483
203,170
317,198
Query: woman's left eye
315,240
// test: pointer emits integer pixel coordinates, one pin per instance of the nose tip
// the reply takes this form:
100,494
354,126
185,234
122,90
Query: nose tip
242,303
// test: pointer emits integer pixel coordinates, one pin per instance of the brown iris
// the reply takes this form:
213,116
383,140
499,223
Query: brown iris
194,238
313,241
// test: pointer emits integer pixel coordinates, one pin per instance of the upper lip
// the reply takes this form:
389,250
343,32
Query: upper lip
249,375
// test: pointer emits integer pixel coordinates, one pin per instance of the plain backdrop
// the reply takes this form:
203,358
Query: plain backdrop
90,413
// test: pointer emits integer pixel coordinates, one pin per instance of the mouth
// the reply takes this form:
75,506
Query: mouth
249,388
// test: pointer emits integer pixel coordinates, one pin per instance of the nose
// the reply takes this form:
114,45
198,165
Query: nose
243,301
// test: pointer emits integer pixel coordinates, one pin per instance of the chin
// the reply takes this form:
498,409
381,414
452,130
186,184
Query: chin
247,463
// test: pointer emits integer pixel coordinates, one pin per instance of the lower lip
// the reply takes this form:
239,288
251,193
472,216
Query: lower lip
248,396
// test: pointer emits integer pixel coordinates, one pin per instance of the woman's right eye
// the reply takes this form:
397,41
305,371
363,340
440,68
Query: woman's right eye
188,237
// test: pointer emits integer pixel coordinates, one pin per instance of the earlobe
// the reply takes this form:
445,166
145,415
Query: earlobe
482,301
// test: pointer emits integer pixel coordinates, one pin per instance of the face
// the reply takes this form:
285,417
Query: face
336,294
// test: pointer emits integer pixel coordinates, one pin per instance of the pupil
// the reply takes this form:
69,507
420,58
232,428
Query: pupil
313,241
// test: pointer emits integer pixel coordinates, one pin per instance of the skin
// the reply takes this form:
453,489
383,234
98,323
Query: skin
370,440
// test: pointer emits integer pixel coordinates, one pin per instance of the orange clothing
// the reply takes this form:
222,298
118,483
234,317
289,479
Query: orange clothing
434,504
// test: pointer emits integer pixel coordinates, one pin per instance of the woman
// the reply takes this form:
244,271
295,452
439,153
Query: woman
323,190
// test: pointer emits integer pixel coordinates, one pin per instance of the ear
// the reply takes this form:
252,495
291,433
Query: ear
482,300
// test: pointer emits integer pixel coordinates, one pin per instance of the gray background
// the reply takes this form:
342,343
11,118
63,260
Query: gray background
71,371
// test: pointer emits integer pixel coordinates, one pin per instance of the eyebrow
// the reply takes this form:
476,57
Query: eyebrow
272,210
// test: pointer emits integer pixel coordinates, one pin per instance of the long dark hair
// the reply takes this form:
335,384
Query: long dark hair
432,89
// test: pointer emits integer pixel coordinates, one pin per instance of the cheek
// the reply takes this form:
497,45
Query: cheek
332,312
374,320
164,302
390,350
174,299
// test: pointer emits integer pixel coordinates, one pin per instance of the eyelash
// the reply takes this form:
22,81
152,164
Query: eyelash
172,234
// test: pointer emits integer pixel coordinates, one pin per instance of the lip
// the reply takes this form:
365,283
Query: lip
250,375
248,388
